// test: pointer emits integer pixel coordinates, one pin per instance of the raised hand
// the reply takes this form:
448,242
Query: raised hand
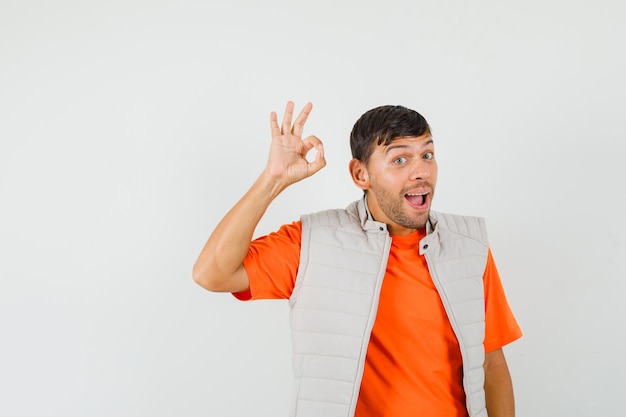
287,161
220,264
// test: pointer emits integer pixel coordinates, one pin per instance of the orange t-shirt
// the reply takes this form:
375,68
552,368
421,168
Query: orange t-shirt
413,364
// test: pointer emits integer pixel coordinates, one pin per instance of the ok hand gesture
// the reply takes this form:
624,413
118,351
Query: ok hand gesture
287,162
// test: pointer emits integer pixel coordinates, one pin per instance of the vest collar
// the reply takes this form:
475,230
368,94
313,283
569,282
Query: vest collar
431,224
367,220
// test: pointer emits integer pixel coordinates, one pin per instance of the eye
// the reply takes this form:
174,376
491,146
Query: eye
429,155
399,160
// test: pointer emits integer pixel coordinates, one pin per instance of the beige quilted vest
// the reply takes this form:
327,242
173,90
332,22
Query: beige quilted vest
333,306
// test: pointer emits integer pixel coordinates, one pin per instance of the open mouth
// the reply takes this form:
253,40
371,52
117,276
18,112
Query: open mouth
418,201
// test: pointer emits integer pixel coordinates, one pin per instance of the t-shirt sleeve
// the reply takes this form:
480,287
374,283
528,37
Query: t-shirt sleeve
272,264
501,328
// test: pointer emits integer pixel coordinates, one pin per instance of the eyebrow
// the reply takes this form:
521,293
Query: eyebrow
393,146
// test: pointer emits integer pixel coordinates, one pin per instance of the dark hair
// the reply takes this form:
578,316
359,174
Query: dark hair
381,126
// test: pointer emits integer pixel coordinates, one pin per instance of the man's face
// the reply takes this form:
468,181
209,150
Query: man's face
400,181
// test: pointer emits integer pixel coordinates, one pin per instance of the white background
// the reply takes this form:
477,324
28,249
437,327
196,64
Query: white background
128,128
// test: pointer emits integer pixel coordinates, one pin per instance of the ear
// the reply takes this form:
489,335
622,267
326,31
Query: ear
360,176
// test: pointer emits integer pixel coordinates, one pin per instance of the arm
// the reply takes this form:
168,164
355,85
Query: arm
219,266
498,385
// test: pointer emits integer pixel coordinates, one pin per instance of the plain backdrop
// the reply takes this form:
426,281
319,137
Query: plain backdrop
128,128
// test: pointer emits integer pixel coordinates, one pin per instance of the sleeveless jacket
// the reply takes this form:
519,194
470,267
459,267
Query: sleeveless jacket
333,306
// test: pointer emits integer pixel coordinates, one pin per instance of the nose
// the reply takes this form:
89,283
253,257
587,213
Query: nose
419,169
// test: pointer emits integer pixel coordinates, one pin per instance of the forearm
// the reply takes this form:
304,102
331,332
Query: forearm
498,386
219,266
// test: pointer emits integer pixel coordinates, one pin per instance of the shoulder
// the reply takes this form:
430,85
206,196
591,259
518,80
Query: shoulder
469,226
331,217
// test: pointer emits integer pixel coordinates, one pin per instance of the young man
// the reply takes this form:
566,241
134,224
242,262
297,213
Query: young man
396,310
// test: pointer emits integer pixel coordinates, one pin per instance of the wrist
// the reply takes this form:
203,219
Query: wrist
270,186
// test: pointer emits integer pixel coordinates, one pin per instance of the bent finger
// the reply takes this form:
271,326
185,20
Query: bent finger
319,162
312,141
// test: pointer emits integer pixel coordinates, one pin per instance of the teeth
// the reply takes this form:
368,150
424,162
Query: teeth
412,195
